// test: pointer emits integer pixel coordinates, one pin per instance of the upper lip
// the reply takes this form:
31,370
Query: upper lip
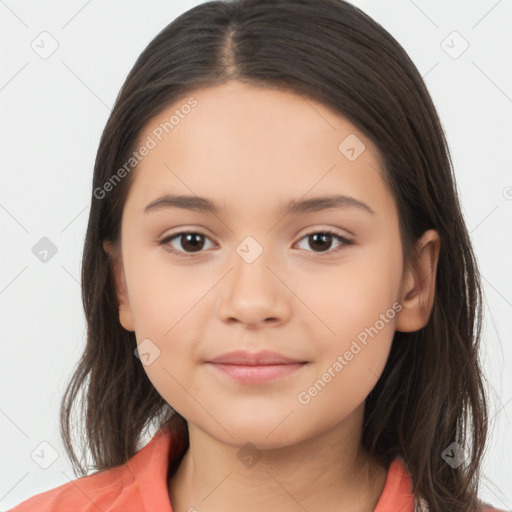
242,357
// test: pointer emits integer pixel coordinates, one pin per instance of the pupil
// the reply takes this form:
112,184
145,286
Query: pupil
189,239
323,236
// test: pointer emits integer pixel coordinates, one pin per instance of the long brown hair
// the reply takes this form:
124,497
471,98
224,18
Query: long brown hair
431,392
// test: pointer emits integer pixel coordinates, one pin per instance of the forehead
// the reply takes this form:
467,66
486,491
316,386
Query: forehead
247,144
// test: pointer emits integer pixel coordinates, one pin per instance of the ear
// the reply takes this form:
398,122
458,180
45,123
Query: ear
116,267
418,284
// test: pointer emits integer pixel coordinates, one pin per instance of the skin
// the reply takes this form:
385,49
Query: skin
252,150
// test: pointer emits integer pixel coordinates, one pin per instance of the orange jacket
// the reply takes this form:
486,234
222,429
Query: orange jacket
141,485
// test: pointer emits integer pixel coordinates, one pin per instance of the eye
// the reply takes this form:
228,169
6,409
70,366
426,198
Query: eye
193,241
323,239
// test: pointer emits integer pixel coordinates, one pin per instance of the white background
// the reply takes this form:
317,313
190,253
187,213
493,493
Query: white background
53,111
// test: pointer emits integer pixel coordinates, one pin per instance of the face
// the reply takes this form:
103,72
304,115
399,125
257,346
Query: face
322,286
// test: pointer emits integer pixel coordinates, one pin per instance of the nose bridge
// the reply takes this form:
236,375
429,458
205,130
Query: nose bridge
254,293
251,269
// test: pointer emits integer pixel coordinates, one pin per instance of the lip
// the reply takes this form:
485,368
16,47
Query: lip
245,358
255,368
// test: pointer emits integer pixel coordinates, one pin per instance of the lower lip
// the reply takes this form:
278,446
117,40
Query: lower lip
257,374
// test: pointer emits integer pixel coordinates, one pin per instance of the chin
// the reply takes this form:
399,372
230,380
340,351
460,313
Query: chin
262,434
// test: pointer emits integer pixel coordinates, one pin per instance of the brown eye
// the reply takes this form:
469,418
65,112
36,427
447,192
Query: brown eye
190,242
321,241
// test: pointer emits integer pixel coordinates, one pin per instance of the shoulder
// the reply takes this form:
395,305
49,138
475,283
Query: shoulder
93,492
486,507
138,484
399,477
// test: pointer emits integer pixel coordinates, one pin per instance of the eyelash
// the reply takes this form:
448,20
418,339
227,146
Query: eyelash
168,239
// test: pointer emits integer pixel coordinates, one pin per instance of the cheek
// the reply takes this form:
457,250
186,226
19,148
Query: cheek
163,296
357,305
166,303
349,365
351,297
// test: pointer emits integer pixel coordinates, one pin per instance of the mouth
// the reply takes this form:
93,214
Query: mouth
255,368
257,374
263,358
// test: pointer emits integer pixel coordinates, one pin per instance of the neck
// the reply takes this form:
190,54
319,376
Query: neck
329,471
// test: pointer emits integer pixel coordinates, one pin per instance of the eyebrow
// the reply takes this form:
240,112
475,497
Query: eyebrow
294,207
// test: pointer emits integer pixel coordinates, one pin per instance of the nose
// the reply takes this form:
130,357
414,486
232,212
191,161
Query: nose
253,294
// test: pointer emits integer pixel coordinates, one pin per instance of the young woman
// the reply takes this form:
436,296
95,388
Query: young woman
278,277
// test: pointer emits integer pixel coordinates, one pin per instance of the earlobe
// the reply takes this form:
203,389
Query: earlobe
418,285
116,267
